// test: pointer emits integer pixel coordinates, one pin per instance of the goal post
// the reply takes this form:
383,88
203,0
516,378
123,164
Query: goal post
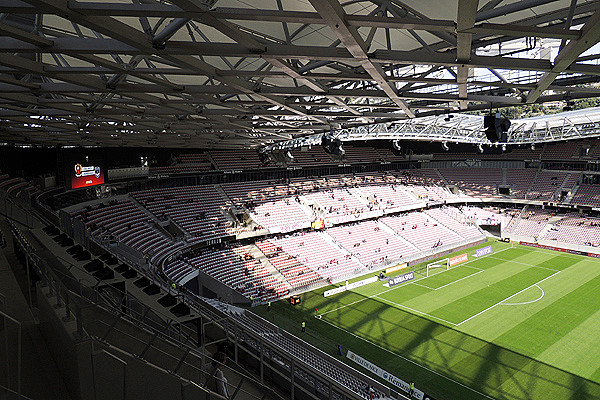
439,264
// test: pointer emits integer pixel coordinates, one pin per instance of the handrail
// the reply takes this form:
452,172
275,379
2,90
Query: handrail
187,364
58,284
20,395
7,317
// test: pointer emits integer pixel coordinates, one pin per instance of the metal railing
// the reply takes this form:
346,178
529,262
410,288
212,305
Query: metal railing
12,342
69,293
77,298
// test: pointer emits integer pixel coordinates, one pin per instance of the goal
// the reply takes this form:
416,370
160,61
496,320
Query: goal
441,264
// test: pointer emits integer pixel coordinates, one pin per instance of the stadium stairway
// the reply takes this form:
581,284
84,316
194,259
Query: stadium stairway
442,177
438,222
360,195
537,173
229,203
386,228
335,243
572,191
152,217
255,252
513,222
304,204
547,228
226,199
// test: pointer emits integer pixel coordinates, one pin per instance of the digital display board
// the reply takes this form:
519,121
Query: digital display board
84,174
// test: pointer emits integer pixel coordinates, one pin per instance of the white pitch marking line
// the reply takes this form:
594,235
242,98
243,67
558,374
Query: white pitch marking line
502,301
458,280
527,302
414,310
409,360
418,284
470,266
563,254
528,265
411,282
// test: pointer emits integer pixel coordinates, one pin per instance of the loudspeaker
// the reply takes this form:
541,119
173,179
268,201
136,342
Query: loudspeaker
332,146
489,126
264,158
496,127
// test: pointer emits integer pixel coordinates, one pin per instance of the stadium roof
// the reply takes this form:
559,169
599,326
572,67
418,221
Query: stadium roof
233,73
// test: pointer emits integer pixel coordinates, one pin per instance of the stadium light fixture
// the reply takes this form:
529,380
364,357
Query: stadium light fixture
445,146
480,148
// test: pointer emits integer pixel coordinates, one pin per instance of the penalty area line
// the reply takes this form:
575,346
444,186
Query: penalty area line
418,284
458,280
509,297
465,264
410,361
414,310
527,265
528,302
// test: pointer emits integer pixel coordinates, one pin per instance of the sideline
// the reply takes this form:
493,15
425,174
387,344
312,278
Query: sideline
411,361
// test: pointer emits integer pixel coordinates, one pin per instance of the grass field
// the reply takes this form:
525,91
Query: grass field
520,323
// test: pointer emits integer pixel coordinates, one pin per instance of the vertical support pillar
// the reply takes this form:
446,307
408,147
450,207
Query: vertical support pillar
199,341
292,380
67,308
57,290
19,362
262,361
79,321
235,345
27,265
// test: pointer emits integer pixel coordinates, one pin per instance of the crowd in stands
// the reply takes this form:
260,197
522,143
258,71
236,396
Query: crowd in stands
530,223
576,229
482,216
588,195
571,228
317,254
349,247
422,232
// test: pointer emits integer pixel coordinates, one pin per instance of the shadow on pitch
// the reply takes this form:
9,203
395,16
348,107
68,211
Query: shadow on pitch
486,367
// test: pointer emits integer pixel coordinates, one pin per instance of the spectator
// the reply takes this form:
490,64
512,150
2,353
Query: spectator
216,380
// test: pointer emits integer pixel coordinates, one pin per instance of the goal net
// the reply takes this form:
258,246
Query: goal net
439,264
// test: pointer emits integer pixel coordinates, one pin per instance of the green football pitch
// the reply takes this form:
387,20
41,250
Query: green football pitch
520,323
